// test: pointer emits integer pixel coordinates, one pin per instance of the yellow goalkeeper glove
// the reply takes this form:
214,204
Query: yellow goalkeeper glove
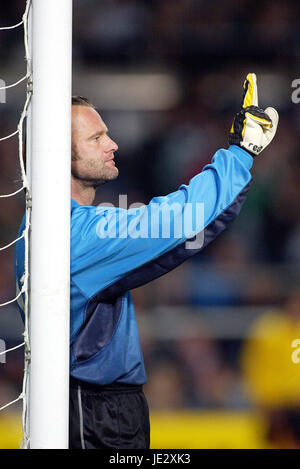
253,128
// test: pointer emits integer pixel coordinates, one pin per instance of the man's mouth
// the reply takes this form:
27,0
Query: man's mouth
111,160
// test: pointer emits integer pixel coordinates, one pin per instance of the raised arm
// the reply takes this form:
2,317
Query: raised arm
112,245
114,250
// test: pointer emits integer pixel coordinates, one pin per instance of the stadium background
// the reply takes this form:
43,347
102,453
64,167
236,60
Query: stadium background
217,331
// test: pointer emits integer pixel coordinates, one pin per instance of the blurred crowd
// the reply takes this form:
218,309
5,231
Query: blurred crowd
208,48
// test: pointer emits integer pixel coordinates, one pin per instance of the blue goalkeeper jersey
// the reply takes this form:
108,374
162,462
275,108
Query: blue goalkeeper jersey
114,250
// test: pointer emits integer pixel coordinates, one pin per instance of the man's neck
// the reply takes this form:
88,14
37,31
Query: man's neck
83,195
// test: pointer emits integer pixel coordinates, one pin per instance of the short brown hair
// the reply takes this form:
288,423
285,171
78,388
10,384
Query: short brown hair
81,101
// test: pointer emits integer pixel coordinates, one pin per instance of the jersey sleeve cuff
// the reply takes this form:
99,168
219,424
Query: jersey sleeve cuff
242,155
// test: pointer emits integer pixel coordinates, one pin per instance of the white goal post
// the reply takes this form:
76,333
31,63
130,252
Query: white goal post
50,156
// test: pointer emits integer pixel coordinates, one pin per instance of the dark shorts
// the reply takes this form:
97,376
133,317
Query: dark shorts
114,417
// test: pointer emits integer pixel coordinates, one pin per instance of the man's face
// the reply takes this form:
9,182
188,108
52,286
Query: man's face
92,149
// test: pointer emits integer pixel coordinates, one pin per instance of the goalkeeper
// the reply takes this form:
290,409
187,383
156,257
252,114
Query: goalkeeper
107,406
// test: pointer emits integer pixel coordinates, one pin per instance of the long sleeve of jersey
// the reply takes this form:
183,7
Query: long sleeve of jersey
110,245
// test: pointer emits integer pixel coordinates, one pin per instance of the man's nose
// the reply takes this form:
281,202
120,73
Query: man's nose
112,145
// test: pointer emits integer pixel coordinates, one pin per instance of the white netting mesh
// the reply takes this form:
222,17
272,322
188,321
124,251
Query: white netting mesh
24,293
